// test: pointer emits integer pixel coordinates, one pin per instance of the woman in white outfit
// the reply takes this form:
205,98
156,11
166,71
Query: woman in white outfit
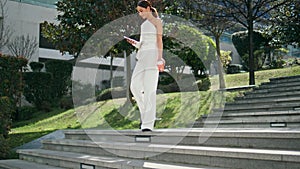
149,63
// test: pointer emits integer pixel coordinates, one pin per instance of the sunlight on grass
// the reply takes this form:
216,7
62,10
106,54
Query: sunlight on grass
242,79
174,109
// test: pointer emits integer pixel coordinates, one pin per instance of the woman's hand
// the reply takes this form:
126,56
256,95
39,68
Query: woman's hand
161,64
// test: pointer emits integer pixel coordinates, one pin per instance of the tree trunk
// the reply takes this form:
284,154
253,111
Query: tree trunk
220,66
251,53
128,76
111,69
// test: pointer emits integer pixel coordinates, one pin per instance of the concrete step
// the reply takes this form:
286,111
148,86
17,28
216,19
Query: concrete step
264,101
273,90
278,85
251,119
21,164
262,119
243,124
258,138
232,108
75,160
286,79
268,96
255,114
196,155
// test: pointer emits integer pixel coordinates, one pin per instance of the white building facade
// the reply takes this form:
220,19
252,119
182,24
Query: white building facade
23,18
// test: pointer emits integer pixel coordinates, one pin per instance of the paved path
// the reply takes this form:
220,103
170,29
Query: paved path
36,144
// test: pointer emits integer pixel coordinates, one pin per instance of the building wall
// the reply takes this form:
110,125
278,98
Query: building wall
25,19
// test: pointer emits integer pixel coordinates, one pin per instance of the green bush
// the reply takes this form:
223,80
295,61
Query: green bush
203,84
66,102
26,112
169,88
36,66
234,68
6,110
4,148
37,89
110,93
61,72
275,64
11,77
240,41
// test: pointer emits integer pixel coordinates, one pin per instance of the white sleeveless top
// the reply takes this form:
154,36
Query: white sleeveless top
148,35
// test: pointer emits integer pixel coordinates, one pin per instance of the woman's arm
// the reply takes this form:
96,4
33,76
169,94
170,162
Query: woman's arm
159,30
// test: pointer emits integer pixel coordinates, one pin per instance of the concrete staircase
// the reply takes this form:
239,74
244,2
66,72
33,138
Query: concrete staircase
167,149
245,141
272,104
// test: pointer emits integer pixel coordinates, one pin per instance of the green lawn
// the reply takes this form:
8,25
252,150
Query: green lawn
175,109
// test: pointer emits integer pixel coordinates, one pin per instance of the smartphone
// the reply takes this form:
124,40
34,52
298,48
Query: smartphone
129,38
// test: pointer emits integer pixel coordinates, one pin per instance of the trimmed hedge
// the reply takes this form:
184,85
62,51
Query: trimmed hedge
61,72
37,89
6,110
36,66
11,85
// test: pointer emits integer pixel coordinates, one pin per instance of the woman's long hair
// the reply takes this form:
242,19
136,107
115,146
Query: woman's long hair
146,4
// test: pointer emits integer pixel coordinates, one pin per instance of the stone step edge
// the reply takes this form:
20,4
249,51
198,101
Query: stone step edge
268,95
265,100
262,113
291,106
285,77
245,153
236,132
21,164
288,83
272,90
105,161
235,122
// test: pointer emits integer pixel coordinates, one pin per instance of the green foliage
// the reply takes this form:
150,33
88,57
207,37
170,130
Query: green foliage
6,110
284,28
241,43
4,148
279,63
37,89
11,76
36,66
79,20
118,92
26,113
234,68
226,58
66,103
191,46
61,73
10,89
204,84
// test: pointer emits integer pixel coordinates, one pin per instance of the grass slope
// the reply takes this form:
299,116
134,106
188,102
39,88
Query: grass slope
175,109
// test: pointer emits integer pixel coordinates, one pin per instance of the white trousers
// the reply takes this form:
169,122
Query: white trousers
143,87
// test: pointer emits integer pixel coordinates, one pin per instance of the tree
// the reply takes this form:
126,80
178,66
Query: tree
10,89
191,46
210,16
5,32
80,19
247,13
260,42
23,46
285,28
207,15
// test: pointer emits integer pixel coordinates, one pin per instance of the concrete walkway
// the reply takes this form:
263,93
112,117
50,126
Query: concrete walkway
36,144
